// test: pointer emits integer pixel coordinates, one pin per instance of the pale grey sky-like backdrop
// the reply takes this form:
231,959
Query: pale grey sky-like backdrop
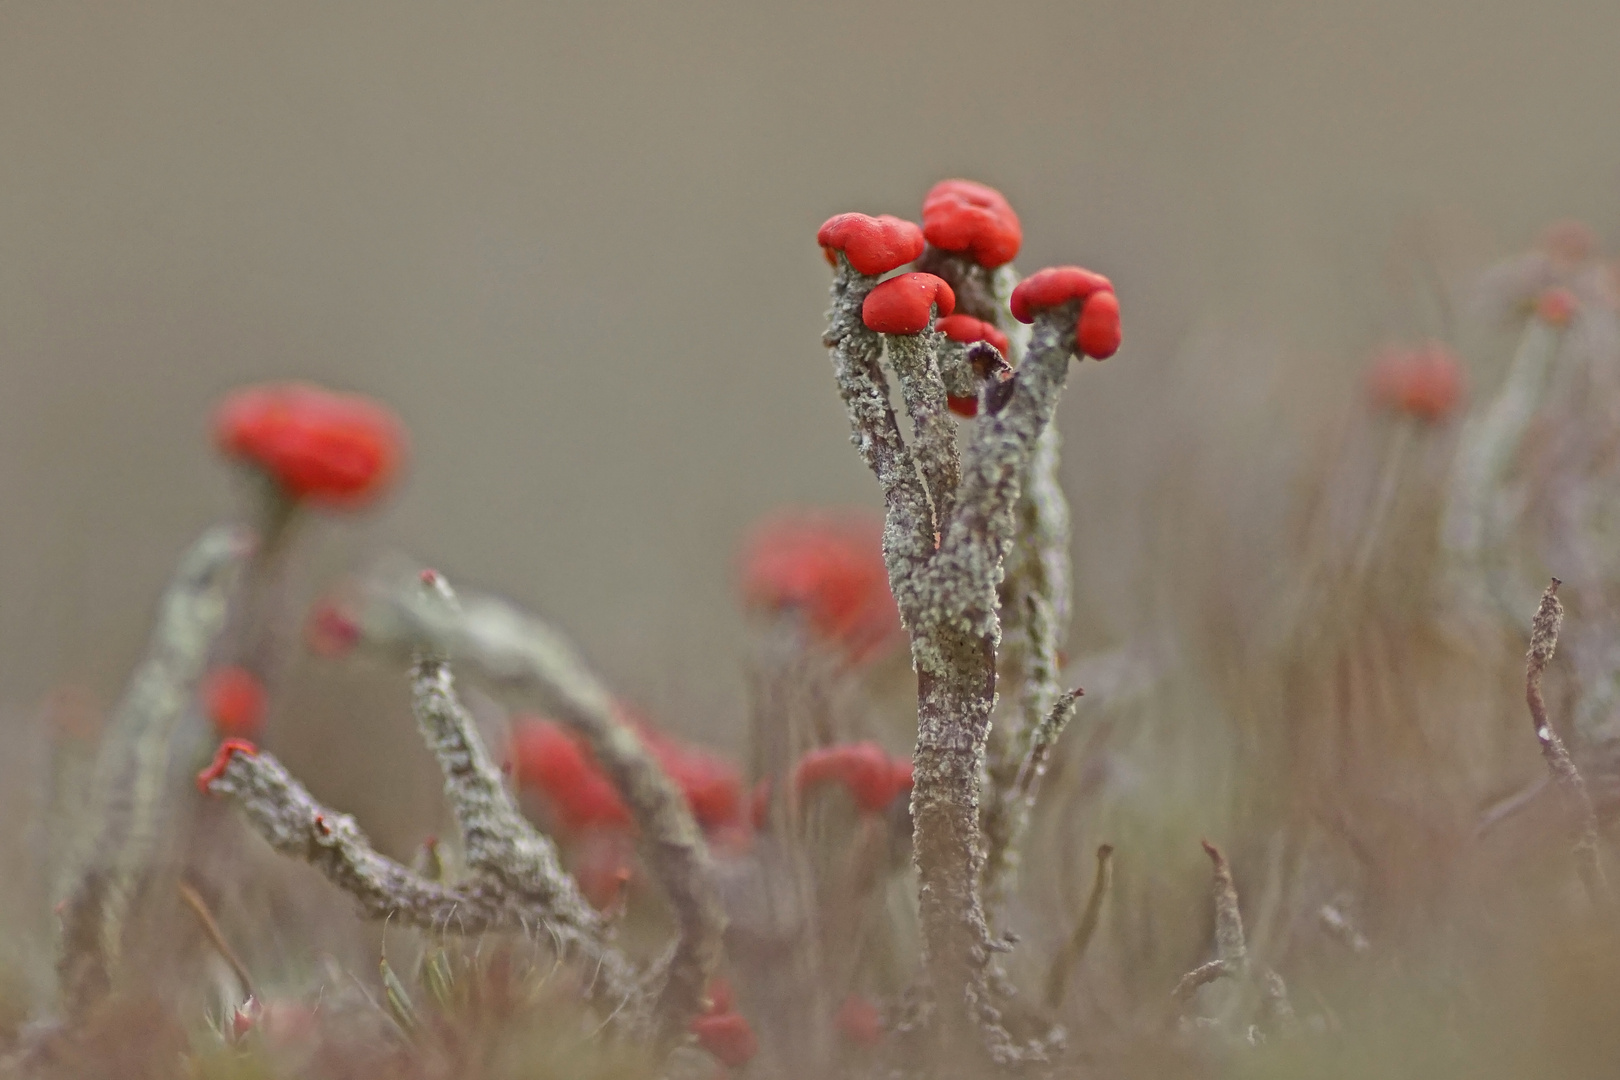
573,245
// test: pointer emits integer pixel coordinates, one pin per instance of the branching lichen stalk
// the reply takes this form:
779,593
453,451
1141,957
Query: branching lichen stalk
139,768
948,601
513,646
290,820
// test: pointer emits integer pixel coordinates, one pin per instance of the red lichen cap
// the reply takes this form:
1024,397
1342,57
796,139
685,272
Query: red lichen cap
234,699
966,330
727,1036
336,449
905,304
829,570
873,245
1053,286
960,215
863,768
1097,332
1424,381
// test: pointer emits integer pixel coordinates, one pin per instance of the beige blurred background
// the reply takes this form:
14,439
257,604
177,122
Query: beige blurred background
573,245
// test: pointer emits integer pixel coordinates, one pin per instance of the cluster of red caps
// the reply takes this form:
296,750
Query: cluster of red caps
548,759
1424,381
975,222
826,570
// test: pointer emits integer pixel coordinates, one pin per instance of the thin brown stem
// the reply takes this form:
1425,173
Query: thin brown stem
1543,643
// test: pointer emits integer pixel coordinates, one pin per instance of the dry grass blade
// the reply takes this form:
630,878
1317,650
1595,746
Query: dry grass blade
1057,978
1543,643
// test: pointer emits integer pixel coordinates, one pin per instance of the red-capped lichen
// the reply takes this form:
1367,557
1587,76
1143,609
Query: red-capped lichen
319,446
906,304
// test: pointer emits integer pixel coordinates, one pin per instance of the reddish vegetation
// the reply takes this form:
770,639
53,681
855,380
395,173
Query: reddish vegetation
603,866
712,785
1569,242
1097,332
727,1036
335,449
1424,381
966,330
859,1021
830,572
547,758
552,761
866,771
222,758
959,215
234,699
1556,306
331,631
722,999
905,304
873,245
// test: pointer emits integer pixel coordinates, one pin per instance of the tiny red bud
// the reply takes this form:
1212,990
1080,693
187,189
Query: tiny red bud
965,407
222,759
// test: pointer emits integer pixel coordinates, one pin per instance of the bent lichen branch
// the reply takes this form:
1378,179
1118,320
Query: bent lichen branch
145,748
290,820
512,646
